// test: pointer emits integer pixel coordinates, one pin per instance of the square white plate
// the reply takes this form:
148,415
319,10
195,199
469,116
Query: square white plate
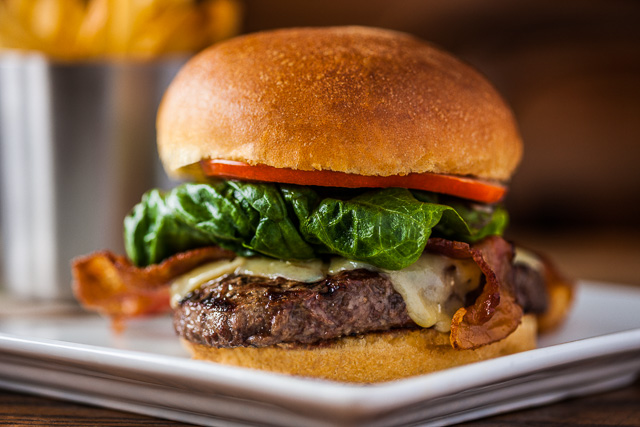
144,370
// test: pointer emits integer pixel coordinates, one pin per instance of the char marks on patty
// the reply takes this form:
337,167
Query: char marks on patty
256,311
239,310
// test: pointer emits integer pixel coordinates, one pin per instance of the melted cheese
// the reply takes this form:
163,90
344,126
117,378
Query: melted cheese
433,288
339,264
308,272
528,258
305,271
195,278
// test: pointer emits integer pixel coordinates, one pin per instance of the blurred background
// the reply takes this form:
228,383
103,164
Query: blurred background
80,84
570,71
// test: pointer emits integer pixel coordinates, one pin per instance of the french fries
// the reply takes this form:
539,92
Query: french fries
87,29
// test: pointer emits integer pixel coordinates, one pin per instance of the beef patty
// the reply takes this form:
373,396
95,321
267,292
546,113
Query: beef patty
256,311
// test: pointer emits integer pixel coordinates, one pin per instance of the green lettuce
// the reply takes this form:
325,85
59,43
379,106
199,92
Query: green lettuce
388,228
153,233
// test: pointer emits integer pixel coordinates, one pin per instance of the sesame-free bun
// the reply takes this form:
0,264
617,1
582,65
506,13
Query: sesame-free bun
349,99
369,358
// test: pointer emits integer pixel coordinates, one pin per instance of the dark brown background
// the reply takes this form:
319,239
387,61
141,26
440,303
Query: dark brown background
571,72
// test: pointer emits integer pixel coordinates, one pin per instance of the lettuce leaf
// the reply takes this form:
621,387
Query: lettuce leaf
153,233
388,228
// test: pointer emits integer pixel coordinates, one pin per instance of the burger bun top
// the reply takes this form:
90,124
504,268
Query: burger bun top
348,99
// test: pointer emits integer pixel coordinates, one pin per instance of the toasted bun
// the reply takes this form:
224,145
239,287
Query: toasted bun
369,358
348,99
561,293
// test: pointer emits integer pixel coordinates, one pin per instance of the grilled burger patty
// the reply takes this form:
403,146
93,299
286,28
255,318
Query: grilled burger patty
238,310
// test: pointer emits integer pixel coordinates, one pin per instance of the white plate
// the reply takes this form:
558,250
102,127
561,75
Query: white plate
145,370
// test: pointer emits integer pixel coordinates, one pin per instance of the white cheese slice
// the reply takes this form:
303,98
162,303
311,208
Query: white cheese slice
303,271
524,256
339,264
195,278
434,287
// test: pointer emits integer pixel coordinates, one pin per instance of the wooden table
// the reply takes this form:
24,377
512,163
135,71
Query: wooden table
615,408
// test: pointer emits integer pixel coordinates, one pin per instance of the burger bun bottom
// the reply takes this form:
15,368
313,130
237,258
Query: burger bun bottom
368,358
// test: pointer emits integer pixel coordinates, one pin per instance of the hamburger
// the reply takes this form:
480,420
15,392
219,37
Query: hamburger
342,217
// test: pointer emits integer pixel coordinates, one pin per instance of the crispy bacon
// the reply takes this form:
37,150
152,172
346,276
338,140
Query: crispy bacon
495,313
111,285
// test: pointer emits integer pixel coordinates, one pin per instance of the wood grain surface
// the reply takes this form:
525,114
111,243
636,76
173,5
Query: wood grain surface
615,408
17,409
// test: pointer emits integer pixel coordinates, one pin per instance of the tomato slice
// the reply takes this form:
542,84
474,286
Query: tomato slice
467,188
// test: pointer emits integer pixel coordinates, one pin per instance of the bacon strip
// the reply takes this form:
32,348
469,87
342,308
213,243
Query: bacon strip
495,313
111,285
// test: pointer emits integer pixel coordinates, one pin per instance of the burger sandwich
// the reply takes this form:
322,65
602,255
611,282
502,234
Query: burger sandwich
342,217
